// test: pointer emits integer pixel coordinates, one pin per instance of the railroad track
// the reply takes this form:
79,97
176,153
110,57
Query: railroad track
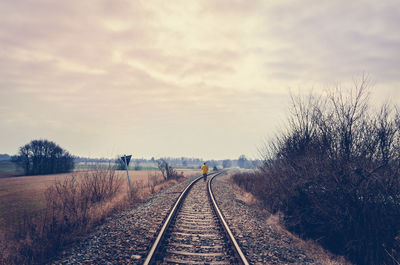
195,231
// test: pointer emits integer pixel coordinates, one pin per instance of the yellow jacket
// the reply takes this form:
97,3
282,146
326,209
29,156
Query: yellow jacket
204,169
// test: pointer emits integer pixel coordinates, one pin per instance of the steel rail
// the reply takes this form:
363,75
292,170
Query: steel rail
236,246
151,254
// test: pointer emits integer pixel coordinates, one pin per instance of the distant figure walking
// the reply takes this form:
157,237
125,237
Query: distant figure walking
204,170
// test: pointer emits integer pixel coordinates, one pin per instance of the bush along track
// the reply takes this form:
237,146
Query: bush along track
335,175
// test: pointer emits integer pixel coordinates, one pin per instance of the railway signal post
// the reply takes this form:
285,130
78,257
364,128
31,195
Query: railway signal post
126,160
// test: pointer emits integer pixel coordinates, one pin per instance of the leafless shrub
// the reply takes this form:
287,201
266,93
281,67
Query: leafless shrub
99,185
335,175
153,180
166,170
72,206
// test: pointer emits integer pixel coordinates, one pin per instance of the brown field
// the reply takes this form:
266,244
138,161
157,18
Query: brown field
25,194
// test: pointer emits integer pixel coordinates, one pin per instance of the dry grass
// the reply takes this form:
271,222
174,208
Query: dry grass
24,195
67,206
319,254
244,196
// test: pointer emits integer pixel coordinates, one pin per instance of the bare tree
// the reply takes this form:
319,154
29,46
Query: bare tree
166,170
43,157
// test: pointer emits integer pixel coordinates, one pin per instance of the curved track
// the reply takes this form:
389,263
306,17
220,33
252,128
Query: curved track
195,231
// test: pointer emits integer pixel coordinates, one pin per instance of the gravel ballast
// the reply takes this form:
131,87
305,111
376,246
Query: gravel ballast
125,238
261,242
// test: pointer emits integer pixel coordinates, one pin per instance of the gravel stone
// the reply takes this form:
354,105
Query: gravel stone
127,237
260,243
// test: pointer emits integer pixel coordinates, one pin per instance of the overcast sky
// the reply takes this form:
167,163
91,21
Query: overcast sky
175,78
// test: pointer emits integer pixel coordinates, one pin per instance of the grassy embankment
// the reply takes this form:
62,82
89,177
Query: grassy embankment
24,195
41,214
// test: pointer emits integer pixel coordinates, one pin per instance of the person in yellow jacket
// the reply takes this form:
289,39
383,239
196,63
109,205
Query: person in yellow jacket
204,170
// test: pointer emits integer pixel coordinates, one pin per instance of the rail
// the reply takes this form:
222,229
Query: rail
151,255
236,247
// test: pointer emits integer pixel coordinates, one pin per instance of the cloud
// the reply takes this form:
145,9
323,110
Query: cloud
336,39
151,70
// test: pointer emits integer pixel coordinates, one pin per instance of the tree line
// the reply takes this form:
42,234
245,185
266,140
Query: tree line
46,157
43,157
